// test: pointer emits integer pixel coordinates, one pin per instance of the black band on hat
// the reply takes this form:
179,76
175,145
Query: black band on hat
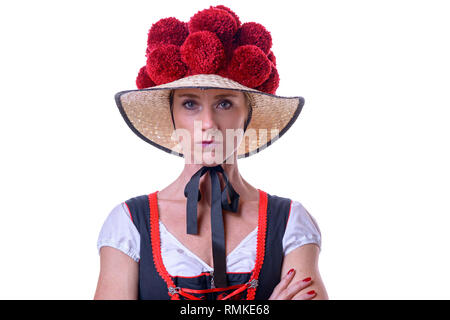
219,202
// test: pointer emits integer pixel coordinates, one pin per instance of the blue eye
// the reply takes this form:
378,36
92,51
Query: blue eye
225,104
188,104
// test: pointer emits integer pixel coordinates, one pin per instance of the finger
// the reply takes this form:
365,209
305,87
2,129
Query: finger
295,288
306,296
283,284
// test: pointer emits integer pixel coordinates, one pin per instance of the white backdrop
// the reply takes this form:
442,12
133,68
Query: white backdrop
368,156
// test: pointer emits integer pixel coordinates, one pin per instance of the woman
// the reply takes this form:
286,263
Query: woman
209,234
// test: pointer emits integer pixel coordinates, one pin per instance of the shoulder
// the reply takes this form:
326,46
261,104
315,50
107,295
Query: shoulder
118,214
138,207
117,221
301,228
139,200
118,231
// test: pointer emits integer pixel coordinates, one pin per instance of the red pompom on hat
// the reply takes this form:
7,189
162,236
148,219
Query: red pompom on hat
214,41
255,34
235,16
223,73
143,80
272,83
167,31
203,52
249,66
219,21
272,58
164,64
212,49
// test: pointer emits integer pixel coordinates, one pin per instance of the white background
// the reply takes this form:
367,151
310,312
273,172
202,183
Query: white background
368,156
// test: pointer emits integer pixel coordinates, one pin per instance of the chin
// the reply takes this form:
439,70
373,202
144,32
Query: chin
211,157
208,158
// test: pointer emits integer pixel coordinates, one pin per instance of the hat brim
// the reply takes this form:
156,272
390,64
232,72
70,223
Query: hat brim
147,113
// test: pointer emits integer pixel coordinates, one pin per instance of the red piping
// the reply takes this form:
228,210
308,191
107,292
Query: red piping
175,292
156,245
129,212
261,242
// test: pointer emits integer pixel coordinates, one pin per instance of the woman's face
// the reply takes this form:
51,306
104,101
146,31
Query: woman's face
203,115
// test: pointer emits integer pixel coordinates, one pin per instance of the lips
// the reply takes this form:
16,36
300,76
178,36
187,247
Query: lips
207,143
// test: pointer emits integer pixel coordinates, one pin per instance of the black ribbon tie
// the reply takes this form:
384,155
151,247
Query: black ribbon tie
219,202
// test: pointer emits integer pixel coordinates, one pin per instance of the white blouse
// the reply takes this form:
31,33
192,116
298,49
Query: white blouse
118,231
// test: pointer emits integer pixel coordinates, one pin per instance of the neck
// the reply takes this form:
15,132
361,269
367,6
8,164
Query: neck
231,170
175,191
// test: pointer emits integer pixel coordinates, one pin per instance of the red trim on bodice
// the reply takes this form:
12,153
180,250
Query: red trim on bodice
174,291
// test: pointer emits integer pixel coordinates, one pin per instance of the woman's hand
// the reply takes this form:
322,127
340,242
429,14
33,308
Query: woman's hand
284,291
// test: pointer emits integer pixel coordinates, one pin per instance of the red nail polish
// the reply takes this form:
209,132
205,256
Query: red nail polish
311,292
290,271
307,279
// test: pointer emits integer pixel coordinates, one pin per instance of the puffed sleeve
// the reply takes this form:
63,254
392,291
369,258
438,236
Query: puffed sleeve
118,231
301,229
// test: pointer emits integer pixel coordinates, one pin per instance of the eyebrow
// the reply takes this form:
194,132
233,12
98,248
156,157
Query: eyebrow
190,95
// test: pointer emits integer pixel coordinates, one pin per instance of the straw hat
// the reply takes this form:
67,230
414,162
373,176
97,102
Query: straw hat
212,50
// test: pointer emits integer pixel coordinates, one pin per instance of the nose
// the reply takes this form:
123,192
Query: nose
207,118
